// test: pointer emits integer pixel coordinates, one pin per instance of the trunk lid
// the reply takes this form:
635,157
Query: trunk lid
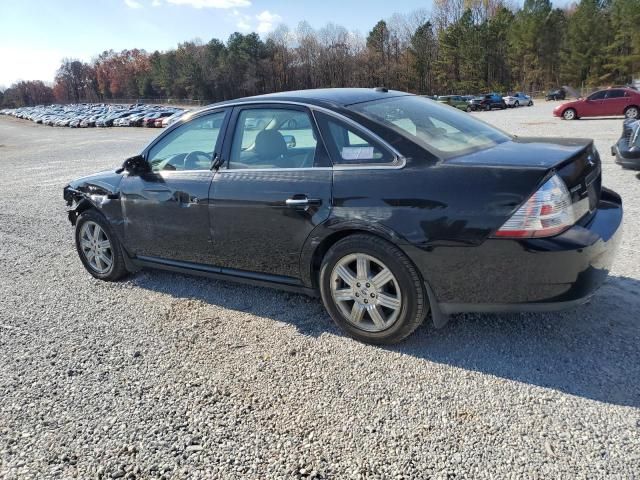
576,161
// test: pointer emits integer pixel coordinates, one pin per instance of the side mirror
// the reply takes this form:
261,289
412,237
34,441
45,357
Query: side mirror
135,165
290,140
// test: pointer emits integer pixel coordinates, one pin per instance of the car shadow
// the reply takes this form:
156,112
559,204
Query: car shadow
591,119
591,351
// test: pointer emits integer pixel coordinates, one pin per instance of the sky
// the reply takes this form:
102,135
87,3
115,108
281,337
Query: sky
36,34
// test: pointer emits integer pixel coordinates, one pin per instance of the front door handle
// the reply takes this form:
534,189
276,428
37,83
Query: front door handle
300,201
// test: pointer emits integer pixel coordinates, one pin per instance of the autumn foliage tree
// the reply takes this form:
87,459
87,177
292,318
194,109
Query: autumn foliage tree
461,46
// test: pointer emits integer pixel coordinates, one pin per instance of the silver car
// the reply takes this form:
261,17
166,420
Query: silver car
517,100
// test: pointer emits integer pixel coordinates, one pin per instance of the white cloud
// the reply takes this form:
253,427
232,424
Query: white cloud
266,21
213,3
132,4
156,3
243,26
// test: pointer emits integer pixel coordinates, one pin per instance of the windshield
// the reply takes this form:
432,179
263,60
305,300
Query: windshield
441,129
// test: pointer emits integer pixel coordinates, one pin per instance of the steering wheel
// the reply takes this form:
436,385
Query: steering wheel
193,160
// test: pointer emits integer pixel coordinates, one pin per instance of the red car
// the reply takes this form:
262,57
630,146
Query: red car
603,103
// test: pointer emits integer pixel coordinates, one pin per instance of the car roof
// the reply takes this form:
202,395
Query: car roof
322,96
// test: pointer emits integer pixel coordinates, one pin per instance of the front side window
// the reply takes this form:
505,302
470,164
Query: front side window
597,96
350,146
188,147
273,138
446,132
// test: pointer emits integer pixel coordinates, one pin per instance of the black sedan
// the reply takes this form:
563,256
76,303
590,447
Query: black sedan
487,102
388,205
627,150
559,94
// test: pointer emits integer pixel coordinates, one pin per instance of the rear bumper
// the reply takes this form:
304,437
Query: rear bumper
624,157
545,274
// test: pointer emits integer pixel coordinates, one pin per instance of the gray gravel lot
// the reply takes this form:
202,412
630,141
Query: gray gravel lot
167,376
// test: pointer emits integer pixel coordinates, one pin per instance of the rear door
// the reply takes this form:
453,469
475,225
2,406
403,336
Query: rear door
273,188
614,102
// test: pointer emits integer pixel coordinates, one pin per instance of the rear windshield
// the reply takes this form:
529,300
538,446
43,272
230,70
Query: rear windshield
445,131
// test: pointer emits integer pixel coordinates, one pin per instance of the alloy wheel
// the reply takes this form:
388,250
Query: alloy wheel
632,112
366,292
96,247
569,114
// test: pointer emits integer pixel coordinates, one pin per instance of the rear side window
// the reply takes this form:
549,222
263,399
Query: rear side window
615,94
272,138
348,145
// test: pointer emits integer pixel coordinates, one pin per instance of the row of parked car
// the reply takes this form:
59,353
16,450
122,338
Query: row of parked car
84,115
488,101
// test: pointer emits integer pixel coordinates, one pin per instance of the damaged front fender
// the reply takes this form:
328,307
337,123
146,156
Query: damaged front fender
100,192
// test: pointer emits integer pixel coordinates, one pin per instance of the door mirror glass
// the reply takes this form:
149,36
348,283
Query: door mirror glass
290,140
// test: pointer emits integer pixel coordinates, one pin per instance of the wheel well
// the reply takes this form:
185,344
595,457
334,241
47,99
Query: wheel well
328,242
82,206
631,106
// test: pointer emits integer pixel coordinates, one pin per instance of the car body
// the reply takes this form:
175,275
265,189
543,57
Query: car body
456,101
627,149
386,204
518,99
602,103
558,94
488,101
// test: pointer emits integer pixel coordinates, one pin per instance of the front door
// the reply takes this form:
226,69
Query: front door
273,189
166,210
592,106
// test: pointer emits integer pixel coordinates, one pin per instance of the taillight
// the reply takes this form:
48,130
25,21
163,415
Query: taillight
546,213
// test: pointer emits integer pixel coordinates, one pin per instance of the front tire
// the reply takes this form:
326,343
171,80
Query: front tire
632,112
517,104
98,247
371,290
569,114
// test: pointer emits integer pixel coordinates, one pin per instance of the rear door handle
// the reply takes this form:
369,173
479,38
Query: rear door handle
302,201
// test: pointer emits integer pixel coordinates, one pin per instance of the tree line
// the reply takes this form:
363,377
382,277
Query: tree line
463,46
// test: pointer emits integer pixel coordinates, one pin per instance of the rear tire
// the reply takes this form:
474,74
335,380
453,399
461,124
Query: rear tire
98,247
371,290
569,114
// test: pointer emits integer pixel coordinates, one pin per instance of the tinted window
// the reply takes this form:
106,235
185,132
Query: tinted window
446,132
188,147
598,95
615,94
350,146
273,138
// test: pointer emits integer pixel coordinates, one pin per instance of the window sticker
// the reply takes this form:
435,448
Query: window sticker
357,153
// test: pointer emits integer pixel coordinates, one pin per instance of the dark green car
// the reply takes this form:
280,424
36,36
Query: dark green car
455,101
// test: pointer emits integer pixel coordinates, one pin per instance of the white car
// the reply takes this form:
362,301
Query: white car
517,100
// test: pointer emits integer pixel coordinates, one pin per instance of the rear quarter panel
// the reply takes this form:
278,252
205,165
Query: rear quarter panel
428,209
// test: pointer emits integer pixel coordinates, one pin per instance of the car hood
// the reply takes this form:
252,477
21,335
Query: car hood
529,152
102,183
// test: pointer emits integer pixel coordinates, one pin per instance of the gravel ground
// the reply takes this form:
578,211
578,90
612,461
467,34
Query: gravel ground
168,376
